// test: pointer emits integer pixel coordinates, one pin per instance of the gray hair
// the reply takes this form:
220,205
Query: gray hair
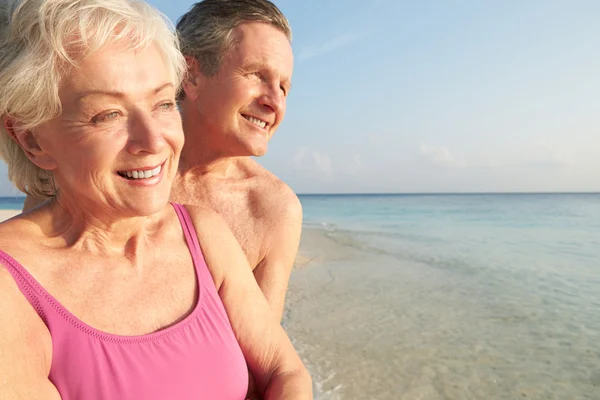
206,30
39,40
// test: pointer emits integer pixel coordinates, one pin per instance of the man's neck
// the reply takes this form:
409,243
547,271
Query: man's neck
205,163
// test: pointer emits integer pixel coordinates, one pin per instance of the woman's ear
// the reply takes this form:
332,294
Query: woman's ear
27,141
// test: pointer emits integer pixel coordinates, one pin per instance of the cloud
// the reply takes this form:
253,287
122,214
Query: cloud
539,154
545,153
311,161
441,156
334,43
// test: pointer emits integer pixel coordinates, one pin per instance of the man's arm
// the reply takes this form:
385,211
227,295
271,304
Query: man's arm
273,273
24,347
31,202
277,370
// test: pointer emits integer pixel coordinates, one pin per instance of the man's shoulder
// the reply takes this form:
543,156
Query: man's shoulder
273,194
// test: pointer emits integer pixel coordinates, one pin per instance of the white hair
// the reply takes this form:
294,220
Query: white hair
40,40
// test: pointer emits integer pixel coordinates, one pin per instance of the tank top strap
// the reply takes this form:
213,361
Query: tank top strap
31,289
191,238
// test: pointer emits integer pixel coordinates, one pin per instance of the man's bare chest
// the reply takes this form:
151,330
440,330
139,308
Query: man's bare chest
247,227
241,209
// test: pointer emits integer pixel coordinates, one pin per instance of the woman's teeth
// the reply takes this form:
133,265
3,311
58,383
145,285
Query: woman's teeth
141,174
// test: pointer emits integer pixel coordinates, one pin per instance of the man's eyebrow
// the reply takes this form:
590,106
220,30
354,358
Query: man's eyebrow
255,65
117,94
260,64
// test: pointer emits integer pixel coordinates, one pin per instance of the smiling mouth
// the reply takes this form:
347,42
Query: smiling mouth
140,174
255,121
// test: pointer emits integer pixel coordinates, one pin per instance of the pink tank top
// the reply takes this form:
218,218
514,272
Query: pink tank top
197,358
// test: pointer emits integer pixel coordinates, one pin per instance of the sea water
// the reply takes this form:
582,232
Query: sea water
11,203
450,296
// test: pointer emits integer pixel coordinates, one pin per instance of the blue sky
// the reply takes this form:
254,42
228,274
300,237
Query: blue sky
438,96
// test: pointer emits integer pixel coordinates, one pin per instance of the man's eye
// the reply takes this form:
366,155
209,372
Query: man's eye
255,75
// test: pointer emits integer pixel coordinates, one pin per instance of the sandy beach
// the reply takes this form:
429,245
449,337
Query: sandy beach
6,214
372,325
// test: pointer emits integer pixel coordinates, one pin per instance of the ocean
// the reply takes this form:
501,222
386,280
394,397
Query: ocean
11,203
493,296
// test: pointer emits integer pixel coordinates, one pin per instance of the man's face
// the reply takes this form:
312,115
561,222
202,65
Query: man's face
242,105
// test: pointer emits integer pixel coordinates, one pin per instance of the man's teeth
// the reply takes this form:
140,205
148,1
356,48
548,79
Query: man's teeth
143,174
257,122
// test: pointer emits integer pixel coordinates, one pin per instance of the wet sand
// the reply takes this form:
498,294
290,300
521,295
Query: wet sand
372,326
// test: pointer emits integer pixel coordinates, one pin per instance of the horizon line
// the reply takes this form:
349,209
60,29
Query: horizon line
439,193
406,193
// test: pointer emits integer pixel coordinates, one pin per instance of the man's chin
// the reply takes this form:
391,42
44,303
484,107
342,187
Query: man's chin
248,147
259,153
257,149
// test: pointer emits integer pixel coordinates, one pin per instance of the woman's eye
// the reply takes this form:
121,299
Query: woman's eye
167,106
105,117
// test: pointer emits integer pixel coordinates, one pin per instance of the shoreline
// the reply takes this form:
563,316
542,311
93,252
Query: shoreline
320,246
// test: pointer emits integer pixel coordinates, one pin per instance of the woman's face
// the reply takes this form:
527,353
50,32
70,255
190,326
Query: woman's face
116,145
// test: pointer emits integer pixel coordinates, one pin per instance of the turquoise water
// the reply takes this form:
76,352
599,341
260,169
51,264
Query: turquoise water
553,234
451,296
11,203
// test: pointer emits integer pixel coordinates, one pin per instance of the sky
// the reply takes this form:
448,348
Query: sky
397,96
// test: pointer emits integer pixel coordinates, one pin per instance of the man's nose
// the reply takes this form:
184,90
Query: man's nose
274,98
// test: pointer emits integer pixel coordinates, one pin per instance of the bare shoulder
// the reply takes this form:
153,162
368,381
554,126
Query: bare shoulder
204,217
13,241
15,232
25,343
274,197
14,306
218,244
19,233
207,222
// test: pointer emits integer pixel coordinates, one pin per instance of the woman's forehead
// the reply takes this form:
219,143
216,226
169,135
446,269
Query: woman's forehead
118,69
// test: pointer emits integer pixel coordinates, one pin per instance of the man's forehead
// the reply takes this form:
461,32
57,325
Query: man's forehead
258,34
262,46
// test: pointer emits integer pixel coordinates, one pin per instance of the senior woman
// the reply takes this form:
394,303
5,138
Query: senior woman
109,291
